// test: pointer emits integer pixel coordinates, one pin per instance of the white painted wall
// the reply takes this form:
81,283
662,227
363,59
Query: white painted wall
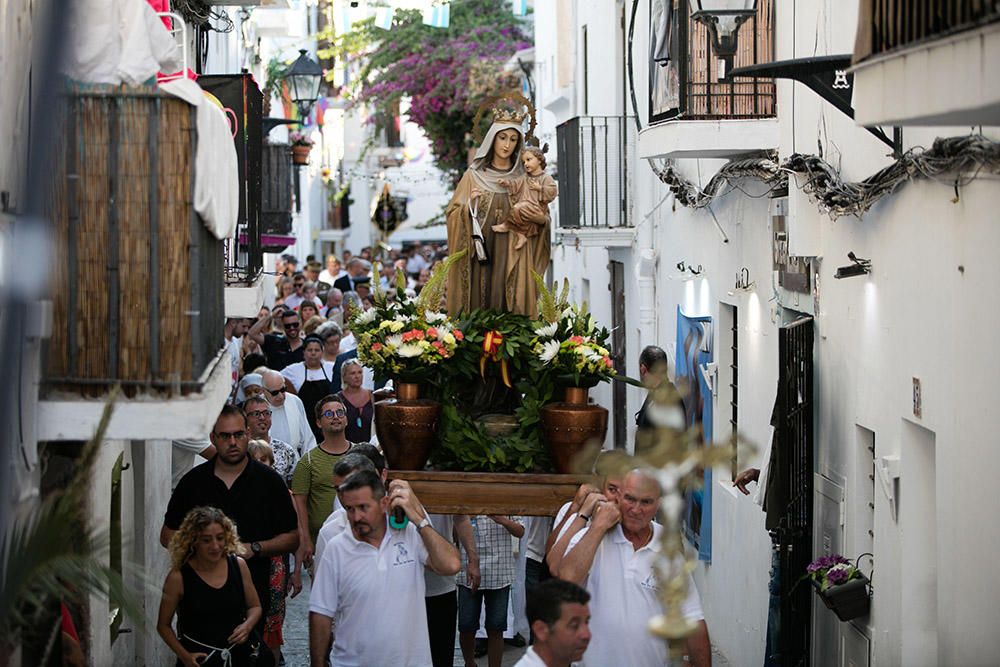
916,315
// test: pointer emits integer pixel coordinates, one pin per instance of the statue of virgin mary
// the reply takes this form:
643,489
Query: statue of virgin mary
492,274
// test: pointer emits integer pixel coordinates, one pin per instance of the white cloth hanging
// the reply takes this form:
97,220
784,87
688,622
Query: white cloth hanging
217,180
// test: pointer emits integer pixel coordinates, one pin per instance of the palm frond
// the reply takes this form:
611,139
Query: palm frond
49,552
432,293
378,295
548,309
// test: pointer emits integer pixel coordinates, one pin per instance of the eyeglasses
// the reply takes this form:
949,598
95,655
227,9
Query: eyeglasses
235,435
339,412
258,413
275,392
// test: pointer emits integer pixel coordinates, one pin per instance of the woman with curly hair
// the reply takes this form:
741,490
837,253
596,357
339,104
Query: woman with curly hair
210,590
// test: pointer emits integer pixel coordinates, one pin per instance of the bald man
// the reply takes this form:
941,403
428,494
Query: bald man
289,421
614,559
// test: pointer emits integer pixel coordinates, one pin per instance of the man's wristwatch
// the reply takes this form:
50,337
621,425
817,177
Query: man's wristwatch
424,522
255,548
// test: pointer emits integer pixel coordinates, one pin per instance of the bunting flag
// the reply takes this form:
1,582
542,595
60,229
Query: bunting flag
383,17
343,19
438,16
520,7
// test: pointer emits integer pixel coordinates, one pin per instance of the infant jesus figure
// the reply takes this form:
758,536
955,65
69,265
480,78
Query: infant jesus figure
531,195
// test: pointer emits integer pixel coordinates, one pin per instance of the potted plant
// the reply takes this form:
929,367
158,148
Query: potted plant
301,147
841,585
569,346
407,339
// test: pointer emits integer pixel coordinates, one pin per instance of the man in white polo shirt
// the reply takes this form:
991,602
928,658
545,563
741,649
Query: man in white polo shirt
615,562
371,580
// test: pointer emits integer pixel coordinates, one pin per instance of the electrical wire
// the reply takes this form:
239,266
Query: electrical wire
961,158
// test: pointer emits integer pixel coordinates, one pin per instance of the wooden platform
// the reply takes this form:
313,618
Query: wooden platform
520,494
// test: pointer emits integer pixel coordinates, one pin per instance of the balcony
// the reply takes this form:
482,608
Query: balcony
692,112
927,62
595,201
137,287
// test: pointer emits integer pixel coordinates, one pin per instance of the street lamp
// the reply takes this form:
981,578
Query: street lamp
303,77
723,19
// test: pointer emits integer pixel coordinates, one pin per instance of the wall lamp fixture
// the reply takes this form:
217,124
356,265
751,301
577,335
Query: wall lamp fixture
859,267
743,282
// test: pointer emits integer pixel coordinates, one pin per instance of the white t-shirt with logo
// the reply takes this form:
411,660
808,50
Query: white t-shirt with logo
375,598
624,595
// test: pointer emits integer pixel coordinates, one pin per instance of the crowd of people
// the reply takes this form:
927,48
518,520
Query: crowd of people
294,484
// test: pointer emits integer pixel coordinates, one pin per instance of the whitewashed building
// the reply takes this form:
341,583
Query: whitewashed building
893,359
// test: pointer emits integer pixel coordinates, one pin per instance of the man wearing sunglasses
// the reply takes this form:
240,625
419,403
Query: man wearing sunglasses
289,421
250,493
280,349
313,489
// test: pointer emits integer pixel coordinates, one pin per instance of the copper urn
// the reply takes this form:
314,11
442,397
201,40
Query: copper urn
567,427
407,427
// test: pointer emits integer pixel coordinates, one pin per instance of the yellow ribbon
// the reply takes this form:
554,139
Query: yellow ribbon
491,350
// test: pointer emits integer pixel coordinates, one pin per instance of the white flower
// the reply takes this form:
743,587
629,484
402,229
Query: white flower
591,324
567,313
593,355
547,331
408,350
432,317
549,351
366,317
394,340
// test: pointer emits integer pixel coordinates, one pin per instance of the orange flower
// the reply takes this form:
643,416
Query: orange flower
376,347
432,332
576,340
458,334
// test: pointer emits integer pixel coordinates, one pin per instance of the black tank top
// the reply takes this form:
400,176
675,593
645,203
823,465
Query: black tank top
208,615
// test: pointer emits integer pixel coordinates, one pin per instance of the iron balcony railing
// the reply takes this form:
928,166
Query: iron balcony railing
888,25
685,79
137,286
593,154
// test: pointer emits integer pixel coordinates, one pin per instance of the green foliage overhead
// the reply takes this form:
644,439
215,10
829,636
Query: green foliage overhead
446,73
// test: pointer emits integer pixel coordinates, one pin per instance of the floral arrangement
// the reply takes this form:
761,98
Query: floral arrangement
404,337
299,139
567,341
832,570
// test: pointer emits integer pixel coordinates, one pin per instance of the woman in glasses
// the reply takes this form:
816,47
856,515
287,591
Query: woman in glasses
310,378
358,401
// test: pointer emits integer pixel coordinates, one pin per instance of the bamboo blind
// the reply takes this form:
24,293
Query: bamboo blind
105,172
748,98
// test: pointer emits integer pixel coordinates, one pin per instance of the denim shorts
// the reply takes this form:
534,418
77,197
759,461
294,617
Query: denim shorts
471,603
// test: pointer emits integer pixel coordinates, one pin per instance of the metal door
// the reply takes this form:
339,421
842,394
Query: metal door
794,437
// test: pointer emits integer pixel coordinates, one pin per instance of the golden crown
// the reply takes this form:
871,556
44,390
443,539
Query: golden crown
508,116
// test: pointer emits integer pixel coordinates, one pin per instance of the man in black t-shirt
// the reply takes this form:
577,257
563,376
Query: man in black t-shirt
250,493
280,350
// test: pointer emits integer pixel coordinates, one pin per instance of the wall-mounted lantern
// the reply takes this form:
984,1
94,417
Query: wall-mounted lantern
723,19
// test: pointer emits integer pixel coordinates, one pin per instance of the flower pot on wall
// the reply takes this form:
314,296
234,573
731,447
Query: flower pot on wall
567,427
848,600
300,154
407,427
